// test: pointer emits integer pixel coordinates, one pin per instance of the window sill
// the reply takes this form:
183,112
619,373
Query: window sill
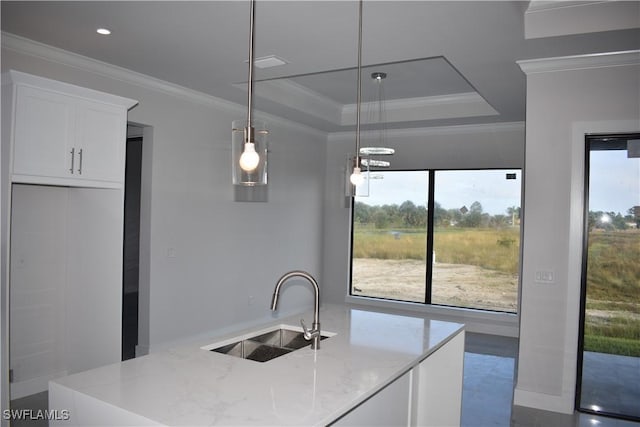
480,321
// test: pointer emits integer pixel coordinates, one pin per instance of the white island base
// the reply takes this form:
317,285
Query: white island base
380,369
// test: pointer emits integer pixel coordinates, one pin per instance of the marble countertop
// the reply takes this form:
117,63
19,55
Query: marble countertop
192,386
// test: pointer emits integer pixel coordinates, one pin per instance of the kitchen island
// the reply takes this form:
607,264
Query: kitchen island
380,368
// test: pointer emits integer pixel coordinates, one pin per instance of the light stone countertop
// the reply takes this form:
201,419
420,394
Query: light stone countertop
191,386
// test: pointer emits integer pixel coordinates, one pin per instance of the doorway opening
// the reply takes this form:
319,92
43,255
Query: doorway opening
609,346
131,247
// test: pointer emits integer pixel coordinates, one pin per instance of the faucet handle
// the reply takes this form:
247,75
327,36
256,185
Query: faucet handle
309,334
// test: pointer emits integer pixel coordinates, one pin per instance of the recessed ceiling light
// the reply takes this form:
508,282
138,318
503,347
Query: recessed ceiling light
103,31
268,61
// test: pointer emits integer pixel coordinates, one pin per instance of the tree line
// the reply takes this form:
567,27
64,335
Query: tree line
612,220
410,215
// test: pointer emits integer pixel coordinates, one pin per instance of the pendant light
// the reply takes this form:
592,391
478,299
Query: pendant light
249,138
357,178
377,113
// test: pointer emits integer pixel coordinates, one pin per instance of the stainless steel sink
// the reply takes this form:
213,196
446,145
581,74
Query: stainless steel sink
265,346
248,349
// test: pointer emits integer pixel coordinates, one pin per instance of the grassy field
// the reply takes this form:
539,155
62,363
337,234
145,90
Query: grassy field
612,324
613,306
474,267
483,247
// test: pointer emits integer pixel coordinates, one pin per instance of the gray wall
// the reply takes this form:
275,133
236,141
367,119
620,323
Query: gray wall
566,99
453,147
208,263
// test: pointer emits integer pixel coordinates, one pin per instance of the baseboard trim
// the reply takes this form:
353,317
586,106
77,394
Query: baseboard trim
546,402
142,350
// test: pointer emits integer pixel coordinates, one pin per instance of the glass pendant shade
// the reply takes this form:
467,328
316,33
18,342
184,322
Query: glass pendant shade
249,158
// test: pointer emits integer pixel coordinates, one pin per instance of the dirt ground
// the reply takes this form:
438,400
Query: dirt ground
453,284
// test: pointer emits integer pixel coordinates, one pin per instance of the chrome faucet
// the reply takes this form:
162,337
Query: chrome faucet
313,334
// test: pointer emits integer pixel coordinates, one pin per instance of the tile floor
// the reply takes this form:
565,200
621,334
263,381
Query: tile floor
488,391
486,398
622,376
489,364
34,402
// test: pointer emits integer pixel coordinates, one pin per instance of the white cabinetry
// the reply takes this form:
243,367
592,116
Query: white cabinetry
43,132
64,236
66,135
437,386
389,407
428,395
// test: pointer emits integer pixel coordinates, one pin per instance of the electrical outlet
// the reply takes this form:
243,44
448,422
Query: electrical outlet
545,276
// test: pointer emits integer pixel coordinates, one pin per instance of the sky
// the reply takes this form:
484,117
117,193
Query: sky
614,181
454,189
614,186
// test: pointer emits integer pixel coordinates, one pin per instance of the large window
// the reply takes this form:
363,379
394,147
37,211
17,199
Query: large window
390,237
439,237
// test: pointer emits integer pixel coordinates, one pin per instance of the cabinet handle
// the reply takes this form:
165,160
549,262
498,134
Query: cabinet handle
80,162
73,154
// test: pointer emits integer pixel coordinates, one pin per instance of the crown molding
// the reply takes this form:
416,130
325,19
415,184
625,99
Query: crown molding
53,54
472,129
298,97
542,5
20,78
65,57
580,62
468,104
561,18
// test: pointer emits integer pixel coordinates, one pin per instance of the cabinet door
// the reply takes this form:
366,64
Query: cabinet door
94,278
389,407
101,135
437,387
38,274
44,131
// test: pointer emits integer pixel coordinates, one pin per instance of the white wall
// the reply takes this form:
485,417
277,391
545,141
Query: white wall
566,98
453,147
209,263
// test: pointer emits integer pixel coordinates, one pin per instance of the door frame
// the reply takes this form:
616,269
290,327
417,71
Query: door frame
583,280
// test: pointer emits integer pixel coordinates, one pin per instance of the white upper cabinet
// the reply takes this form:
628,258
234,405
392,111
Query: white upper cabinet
100,141
44,125
67,135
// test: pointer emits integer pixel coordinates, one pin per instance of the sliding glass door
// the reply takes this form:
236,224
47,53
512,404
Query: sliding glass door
609,369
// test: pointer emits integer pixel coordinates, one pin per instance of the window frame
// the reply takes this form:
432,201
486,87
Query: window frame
592,142
380,301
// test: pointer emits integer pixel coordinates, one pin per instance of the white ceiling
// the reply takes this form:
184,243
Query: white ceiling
466,51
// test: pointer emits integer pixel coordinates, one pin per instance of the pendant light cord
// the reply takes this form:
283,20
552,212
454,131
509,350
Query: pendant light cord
359,96
249,135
